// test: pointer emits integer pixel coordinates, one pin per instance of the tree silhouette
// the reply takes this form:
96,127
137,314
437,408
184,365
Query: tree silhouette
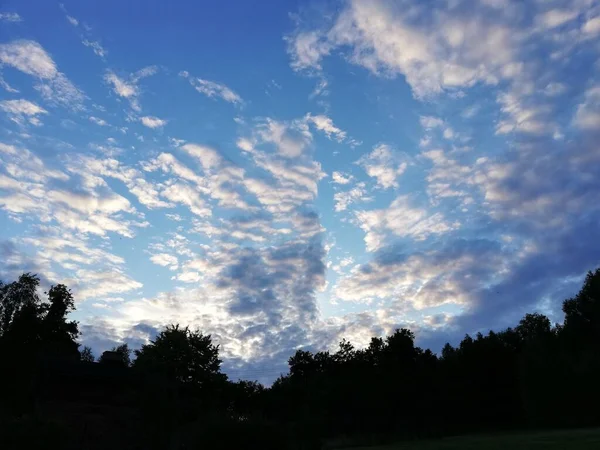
582,312
119,356
59,335
19,305
185,356
31,327
533,375
87,355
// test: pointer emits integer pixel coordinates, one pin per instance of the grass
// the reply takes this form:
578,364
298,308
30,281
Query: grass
552,440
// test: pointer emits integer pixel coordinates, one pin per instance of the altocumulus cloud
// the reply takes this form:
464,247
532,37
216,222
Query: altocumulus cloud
263,221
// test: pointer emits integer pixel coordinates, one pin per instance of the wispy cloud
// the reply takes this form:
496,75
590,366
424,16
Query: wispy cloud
592,26
212,89
384,165
29,57
72,20
7,87
96,47
325,124
10,17
587,116
129,88
152,122
357,194
341,178
98,121
18,110
124,89
241,213
401,219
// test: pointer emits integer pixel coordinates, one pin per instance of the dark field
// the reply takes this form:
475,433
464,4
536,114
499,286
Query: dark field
553,440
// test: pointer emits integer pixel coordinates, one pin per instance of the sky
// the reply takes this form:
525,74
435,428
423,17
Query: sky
285,174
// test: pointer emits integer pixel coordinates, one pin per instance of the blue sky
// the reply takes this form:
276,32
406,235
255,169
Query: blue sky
285,174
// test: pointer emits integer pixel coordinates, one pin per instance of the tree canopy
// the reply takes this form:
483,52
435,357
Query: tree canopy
34,327
182,355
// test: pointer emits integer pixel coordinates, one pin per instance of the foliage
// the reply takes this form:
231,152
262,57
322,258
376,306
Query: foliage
121,353
181,355
30,326
86,354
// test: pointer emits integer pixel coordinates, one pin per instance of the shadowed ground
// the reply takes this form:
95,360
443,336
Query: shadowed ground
554,440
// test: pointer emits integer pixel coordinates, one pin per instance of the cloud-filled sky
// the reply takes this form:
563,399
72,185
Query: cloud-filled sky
285,174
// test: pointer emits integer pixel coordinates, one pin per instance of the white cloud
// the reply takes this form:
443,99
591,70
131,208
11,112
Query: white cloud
284,151
587,116
145,191
24,166
383,165
209,158
400,219
220,176
10,17
592,26
239,295
521,117
291,140
556,17
60,91
28,57
91,272
344,199
87,205
186,195
429,122
72,20
446,177
168,163
325,124
449,133
470,111
307,49
446,51
212,89
22,107
153,122
340,178
19,109
175,217
120,86
129,89
420,280
7,87
96,47
555,88
320,89
144,72
98,121
245,144
101,283
165,260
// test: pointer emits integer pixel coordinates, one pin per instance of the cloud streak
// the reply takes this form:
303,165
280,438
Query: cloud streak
212,89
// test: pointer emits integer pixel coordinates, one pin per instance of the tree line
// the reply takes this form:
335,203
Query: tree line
532,375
